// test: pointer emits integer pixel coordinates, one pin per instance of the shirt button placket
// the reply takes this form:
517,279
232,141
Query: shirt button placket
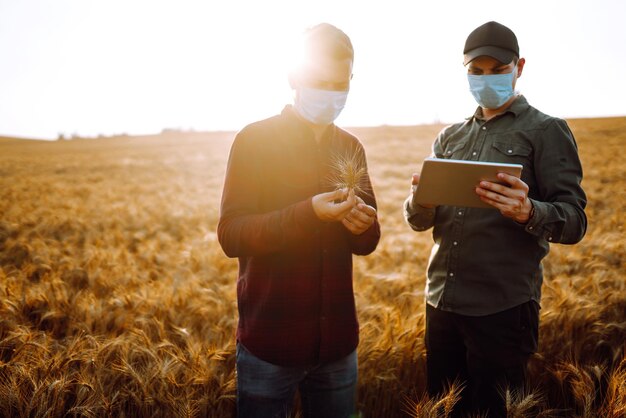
453,258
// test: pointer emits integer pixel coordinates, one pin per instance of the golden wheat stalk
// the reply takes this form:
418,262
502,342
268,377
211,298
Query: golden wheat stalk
441,406
349,171
521,403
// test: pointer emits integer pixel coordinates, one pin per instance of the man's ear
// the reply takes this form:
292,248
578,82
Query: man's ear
293,80
520,66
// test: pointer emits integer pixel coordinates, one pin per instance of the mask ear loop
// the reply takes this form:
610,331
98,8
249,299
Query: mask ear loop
516,71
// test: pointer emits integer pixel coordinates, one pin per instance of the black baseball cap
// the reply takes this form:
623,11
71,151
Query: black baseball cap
492,39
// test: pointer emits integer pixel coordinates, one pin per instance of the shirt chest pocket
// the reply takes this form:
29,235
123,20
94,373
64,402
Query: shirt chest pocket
515,153
512,152
454,151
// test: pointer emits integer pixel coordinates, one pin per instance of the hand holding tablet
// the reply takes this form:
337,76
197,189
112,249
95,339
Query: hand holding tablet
453,182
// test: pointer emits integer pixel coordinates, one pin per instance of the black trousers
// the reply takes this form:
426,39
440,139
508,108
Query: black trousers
486,353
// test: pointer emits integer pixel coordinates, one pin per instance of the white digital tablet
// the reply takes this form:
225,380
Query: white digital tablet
453,182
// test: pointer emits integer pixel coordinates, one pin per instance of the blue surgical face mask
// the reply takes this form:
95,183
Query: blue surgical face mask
492,91
320,107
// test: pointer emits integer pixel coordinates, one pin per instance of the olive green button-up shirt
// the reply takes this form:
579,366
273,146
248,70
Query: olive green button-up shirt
482,262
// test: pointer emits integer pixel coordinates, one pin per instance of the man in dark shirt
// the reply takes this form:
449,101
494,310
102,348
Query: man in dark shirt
484,276
294,235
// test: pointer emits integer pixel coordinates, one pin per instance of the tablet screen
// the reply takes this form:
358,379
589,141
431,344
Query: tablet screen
453,182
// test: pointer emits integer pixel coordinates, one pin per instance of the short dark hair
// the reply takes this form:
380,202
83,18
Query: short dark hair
318,44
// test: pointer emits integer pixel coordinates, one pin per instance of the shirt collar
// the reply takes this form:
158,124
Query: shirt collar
519,105
289,114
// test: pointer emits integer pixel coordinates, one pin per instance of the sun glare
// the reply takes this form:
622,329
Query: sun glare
264,87
219,65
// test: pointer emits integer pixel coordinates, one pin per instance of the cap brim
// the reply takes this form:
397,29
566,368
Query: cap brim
503,55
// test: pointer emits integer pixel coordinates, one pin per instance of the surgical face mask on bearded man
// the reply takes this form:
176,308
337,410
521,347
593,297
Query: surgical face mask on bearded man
320,107
493,90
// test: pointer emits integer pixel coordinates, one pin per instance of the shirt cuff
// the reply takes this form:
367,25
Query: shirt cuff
305,214
534,226
415,209
418,217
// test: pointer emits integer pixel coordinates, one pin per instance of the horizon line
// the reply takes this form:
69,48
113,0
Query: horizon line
165,131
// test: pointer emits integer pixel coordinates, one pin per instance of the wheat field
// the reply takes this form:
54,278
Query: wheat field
116,299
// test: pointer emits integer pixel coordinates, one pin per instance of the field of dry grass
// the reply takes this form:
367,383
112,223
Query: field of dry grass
116,299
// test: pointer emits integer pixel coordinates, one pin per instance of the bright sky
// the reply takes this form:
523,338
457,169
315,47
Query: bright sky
92,67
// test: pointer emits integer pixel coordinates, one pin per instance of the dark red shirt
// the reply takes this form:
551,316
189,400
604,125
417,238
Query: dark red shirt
294,290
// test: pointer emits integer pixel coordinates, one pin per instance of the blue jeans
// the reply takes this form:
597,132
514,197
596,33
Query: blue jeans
267,390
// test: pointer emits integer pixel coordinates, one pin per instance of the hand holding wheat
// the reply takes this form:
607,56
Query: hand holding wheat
334,206
349,172
360,218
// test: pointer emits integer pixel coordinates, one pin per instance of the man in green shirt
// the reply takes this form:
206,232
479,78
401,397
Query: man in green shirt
484,276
